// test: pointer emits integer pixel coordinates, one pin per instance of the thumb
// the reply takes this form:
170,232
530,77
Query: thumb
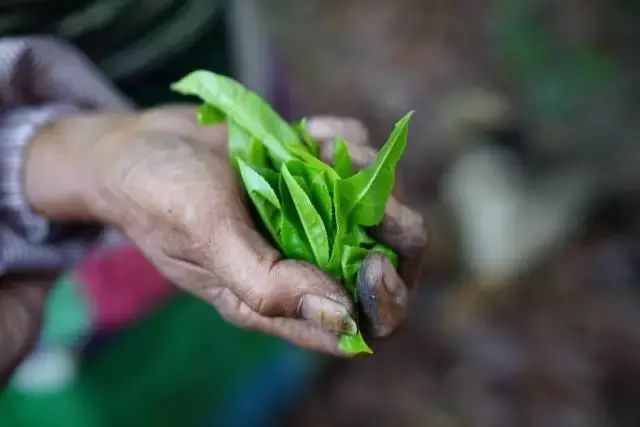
276,287
402,229
383,295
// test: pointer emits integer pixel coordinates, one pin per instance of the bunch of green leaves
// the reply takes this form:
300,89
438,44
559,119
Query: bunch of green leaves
311,210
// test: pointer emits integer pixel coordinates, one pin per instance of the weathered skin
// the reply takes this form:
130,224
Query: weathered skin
166,182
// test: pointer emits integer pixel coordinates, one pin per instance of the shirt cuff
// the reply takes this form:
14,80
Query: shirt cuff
17,128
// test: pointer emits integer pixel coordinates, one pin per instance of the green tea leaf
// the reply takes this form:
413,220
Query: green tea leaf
341,160
310,218
245,147
305,136
340,231
352,258
302,173
253,182
315,185
358,236
263,197
271,176
302,183
391,255
321,199
209,115
311,161
293,243
365,194
246,108
299,168
354,344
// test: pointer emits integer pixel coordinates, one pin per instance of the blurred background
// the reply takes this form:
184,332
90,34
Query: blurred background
523,156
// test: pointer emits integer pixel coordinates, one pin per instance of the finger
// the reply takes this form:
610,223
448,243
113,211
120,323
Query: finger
275,287
402,229
327,128
361,155
297,331
383,295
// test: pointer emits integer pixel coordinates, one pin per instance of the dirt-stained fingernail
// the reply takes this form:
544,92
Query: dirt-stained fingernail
328,314
349,326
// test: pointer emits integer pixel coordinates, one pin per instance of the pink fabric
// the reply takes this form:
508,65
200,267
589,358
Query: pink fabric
121,286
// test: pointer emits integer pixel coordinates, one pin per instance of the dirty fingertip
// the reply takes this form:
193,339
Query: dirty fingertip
329,315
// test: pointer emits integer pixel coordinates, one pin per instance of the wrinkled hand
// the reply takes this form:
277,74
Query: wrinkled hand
167,183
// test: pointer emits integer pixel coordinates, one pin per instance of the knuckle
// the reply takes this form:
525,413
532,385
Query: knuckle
259,301
230,308
271,297
328,127
417,233
248,319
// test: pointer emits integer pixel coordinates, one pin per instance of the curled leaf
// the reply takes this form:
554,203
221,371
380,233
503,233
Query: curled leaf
305,136
263,197
209,115
310,219
246,108
245,147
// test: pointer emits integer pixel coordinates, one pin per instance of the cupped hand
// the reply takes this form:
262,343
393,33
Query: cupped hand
166,182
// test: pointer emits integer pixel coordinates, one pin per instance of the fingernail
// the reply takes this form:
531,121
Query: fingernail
328,314
349,326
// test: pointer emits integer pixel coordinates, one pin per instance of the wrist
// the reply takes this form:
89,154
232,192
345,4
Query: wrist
17,129
62,167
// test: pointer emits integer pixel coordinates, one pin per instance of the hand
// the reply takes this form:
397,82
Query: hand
21,307
166,182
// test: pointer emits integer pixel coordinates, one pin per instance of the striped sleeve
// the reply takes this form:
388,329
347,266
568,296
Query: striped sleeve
41,79
24,235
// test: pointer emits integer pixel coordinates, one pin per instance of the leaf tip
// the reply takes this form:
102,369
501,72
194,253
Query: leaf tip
183,85
407,117
353,345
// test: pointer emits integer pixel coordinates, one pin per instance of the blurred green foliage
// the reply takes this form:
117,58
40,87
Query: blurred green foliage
555,77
